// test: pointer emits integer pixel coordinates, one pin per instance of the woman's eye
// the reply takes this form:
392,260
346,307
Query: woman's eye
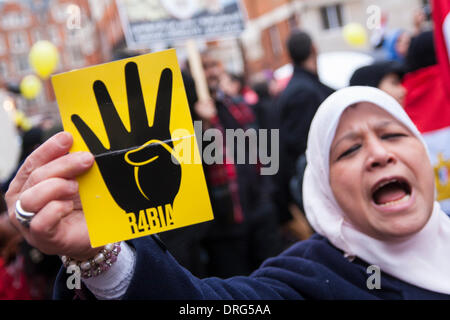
392,135
349,151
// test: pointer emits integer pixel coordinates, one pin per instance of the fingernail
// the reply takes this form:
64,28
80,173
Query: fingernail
86,158
63,139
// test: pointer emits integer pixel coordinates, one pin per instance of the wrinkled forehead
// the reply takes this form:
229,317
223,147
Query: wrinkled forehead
362,118
365,114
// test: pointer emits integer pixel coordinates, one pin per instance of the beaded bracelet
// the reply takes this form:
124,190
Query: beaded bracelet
97,265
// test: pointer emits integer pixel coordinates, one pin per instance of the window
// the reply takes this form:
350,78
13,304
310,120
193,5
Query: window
331,16
89,46
3,49
59,12
18,41
88,41
98,8
40,99
76,57
3,69
37,35
21,64
73,36
275,41
24,19
55,37
15,20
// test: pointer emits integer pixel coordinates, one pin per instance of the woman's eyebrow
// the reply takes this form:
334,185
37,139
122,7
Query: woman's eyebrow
383,124
352,135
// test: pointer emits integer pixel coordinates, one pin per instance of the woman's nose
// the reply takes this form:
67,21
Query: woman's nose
378,155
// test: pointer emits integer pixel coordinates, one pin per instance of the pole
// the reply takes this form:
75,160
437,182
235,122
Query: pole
197,72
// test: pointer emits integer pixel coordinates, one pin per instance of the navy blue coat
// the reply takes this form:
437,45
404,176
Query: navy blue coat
310,269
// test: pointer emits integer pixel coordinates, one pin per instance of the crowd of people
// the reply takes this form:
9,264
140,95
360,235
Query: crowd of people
321,187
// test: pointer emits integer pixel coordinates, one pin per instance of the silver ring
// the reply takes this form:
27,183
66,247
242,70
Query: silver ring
24,217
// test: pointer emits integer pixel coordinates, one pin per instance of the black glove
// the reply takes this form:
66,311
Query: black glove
138,168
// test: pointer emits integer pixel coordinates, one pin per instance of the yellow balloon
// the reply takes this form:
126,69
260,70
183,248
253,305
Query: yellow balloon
44,58
30,86
355,34
22,121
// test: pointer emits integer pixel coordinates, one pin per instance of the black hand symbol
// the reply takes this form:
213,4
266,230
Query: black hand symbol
138,168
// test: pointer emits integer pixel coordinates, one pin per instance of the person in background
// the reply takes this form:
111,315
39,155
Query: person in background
296,107
384,75
236,86
265,113
245,230
13,282
264,109
396,45
232,86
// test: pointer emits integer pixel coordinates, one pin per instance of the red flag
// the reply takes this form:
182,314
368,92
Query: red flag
427,102
426,99
441,18
428,107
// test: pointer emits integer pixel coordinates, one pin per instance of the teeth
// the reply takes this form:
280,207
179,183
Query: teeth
391,203
385,183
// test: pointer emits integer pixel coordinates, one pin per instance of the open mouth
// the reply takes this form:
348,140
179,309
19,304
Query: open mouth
391,191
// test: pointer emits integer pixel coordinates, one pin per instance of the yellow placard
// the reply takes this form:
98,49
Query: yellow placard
133,115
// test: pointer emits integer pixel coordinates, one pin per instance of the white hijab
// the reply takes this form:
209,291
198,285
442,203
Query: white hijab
423,259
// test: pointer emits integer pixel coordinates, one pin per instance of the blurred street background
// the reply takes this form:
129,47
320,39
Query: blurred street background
89,32
245,64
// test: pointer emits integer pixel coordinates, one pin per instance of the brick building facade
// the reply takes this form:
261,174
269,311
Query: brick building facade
93,36
85,33
268,26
